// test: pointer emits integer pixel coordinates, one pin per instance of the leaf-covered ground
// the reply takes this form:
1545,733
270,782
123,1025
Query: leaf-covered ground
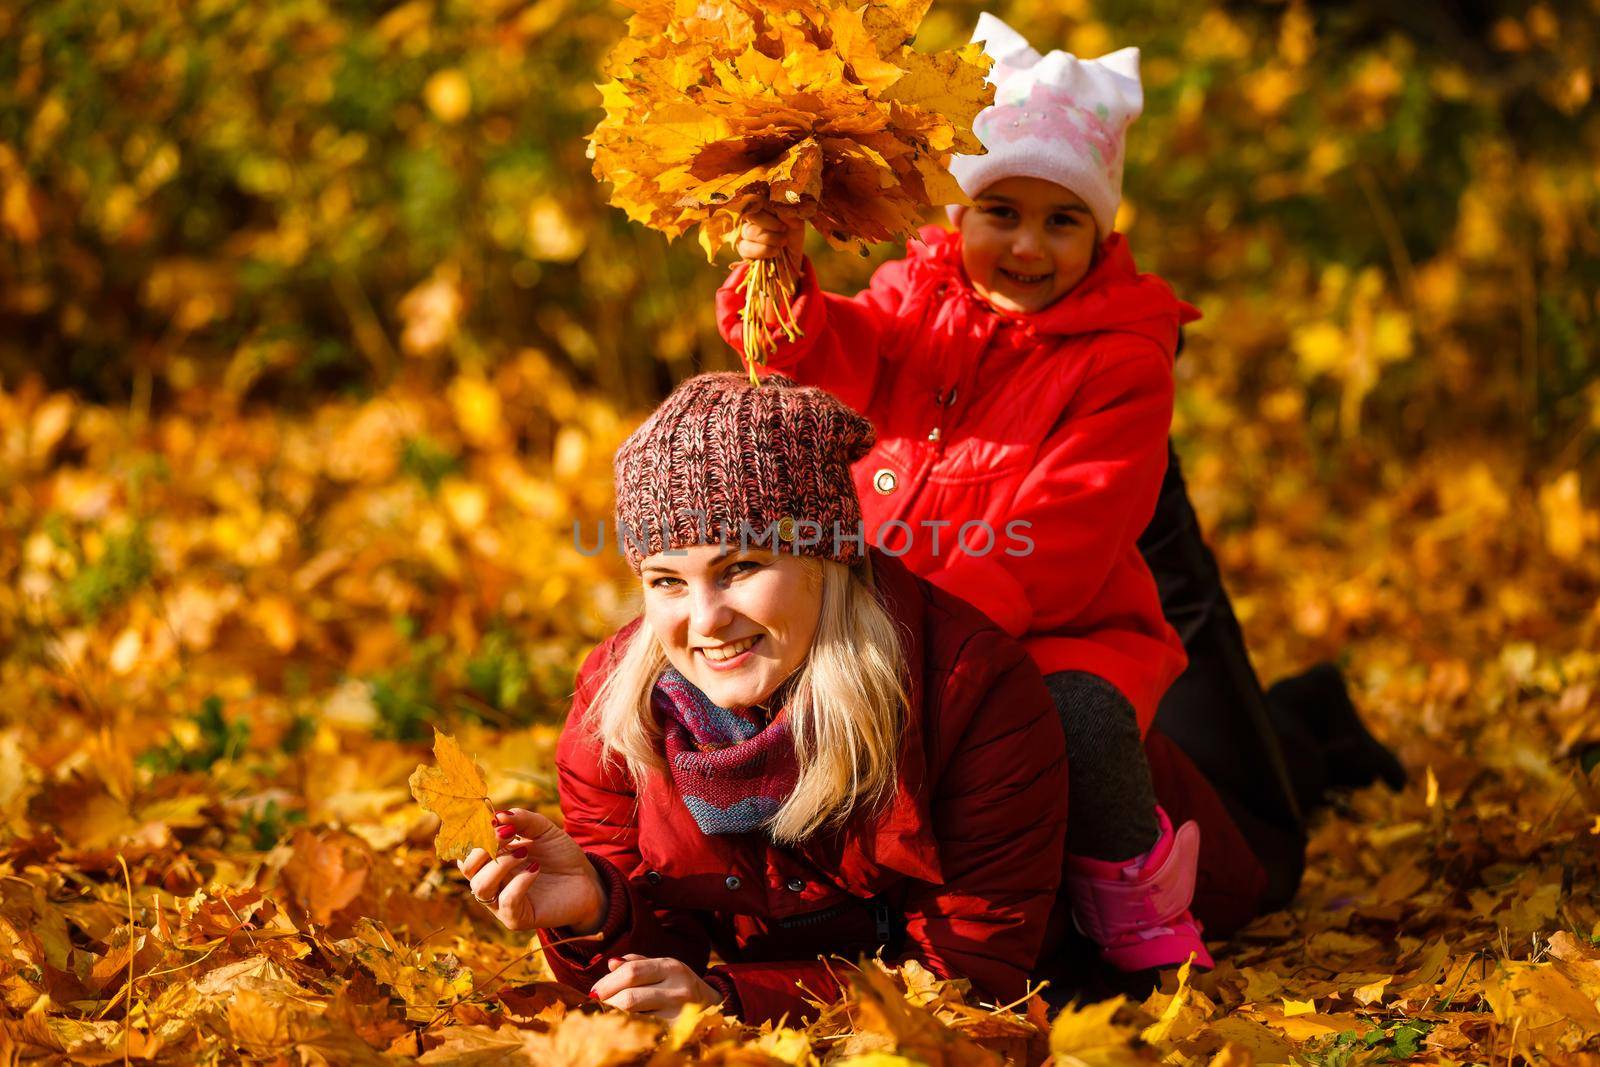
226,633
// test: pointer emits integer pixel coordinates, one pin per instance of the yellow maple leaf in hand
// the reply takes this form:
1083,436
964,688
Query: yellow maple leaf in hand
455,792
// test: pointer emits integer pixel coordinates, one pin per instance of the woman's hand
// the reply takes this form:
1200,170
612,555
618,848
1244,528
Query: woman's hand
659,987
541,878
764,235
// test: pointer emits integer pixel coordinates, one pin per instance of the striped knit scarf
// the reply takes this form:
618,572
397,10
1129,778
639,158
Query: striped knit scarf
732,769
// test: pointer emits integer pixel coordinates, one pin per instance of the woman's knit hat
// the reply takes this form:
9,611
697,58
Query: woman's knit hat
1055,117
722,460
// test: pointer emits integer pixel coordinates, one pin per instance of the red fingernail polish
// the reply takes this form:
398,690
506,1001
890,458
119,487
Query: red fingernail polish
521,851
533,865
505,831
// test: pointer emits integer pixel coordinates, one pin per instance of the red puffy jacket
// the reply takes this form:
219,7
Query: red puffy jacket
1057,419
963,861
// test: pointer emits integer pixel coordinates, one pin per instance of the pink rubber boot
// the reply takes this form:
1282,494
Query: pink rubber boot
1137,911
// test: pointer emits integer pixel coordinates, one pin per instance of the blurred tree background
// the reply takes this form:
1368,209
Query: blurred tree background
1391,210
313,317
317,336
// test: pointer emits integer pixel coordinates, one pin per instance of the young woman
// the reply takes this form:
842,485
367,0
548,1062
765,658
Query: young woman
800,749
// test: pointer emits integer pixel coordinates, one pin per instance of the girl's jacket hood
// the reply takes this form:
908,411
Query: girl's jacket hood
1113,296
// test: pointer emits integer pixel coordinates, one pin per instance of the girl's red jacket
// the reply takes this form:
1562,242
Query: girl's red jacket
1046,432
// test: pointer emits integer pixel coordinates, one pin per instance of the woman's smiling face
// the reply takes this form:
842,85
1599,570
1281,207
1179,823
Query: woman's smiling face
1026,242
736,623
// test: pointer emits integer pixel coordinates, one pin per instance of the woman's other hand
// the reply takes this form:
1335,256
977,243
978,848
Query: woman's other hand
541,878
659,987
764,235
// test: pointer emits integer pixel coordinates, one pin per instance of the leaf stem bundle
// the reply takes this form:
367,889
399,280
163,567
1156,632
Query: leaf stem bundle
768,288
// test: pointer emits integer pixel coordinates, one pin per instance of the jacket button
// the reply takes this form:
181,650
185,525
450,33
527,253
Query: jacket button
653,877
732,882
794,885
885,481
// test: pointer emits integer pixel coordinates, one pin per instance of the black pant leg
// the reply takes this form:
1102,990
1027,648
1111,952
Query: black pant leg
1217,712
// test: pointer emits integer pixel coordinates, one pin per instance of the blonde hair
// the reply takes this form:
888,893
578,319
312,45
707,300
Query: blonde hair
845,707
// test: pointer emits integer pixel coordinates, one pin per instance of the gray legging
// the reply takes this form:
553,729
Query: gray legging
1109,795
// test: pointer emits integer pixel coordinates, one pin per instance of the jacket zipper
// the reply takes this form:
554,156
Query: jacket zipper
883,919
812,918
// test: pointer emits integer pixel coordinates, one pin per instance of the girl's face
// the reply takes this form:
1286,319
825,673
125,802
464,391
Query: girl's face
1026,242
734,622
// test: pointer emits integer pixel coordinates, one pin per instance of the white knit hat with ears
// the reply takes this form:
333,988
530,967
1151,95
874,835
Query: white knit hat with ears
1055,117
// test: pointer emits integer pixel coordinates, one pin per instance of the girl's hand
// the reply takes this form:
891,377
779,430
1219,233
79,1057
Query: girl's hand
764,235
659,987
541,878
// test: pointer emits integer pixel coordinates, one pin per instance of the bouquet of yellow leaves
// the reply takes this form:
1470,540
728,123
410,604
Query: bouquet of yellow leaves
818,111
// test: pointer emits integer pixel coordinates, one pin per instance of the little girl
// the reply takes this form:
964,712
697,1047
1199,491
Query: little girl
1019,374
